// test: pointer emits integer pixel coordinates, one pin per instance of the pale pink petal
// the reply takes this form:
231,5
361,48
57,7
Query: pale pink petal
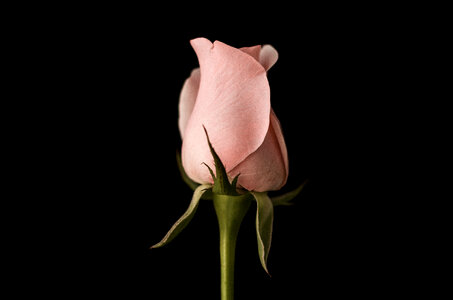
253,51
233,104
187,99
268,56
202,48
265,169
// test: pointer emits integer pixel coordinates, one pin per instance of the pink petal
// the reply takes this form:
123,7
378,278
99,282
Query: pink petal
187,99
253,51
268,56
267,168
202,48
233,104
275,123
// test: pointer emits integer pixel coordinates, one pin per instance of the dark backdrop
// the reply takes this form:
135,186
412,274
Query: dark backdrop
325,87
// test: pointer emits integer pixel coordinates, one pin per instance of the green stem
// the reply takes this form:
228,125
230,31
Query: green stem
230,211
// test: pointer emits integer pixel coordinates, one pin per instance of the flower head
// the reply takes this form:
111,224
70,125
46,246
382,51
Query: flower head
229,94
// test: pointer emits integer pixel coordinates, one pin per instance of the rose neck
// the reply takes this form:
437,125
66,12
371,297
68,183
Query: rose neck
230,212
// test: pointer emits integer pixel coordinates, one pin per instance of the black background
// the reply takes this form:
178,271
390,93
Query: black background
126,69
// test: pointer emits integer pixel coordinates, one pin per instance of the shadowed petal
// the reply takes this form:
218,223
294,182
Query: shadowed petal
187,99
267,168
268,56
253,51
275,124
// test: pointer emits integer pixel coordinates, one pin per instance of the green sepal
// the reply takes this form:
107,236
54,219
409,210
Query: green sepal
222,185
264,224
287,197
185,218
235,181
190,183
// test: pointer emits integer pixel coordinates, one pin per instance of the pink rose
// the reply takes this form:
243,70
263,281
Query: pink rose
229,94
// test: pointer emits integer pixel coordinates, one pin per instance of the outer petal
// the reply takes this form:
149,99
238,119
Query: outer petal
187,99
233,104
267,168
268,56
275,123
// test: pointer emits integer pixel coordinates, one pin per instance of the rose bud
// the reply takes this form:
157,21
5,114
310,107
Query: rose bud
230,96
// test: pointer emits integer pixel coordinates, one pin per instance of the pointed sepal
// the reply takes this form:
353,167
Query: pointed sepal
264,224
287,197
185,218
222,185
